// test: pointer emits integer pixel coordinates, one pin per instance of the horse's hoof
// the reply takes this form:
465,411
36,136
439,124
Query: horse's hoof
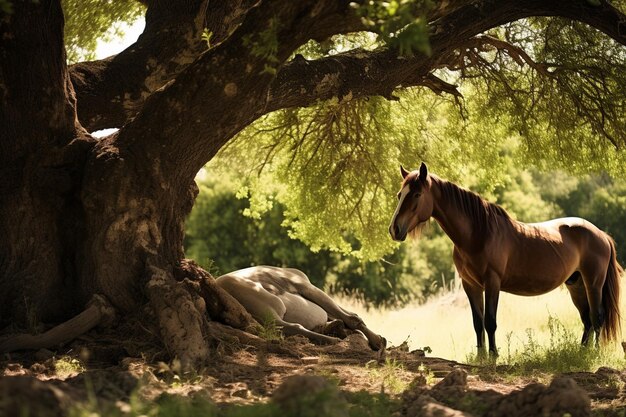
381,345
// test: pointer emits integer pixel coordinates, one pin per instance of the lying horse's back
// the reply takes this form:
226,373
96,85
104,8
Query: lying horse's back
274,279
287,296
272,291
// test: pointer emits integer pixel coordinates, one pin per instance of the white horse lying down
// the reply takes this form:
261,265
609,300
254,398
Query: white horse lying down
287,296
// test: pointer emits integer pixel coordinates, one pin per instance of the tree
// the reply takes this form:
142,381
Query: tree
81,217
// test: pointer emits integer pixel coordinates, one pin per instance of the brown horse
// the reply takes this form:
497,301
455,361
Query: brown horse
493,253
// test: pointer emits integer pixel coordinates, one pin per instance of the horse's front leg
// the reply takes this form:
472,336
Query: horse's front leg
477,304
492,294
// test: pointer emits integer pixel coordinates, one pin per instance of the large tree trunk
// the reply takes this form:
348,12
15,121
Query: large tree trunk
81,217
41,154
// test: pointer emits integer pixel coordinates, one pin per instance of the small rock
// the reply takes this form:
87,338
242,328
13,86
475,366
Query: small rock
298,386
418,352
438,410
14,367
242,393
38,368
310,360
358,341
604,370
456,378
426,406
562,397
24,395
299,393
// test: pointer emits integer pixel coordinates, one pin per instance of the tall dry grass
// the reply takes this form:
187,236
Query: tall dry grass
444,323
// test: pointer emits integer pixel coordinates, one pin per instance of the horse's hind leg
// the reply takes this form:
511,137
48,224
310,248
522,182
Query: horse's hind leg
297,329
593,287
477,304
577,291
353,321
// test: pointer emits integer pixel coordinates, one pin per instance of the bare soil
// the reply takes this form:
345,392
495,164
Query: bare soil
417,384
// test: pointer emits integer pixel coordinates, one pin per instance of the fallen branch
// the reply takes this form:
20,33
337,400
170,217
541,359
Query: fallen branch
98,311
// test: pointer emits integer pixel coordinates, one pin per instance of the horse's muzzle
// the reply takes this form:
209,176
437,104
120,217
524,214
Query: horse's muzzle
394,231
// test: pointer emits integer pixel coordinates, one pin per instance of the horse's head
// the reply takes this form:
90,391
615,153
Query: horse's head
415,203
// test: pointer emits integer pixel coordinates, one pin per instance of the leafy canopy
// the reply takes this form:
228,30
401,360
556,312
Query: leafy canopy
554,98
90,21
550,91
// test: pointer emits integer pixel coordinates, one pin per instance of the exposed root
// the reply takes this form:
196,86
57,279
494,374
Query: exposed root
98,311
220,305
182,318
229,335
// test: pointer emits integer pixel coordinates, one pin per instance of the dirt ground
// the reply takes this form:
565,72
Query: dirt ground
419,385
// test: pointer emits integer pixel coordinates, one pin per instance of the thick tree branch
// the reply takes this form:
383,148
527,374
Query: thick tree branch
225,89
223,17
364,73
229,86
112,90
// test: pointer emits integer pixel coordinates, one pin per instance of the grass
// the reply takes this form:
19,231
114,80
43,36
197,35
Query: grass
269,330
562,353
526,326
65,367
388,375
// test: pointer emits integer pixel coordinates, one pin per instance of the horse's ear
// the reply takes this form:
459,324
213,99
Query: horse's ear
423,172
403,171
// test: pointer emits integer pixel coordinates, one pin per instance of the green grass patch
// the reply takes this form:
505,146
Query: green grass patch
269,330
365,404
562,353
388,374
65,367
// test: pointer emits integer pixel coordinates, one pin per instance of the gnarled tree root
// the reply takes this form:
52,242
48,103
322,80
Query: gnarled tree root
220,305
194,313
181,315
98,311
185,300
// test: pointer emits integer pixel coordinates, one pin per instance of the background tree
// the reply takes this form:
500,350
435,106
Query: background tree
222,235
81,217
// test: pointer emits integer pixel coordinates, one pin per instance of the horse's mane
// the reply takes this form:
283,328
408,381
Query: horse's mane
485,216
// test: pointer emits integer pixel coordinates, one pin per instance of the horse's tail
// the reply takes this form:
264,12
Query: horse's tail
610,297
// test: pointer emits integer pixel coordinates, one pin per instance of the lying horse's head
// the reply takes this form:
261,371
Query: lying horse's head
415,204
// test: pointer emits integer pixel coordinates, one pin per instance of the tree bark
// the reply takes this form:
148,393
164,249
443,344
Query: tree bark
112,90
42,149
80,217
